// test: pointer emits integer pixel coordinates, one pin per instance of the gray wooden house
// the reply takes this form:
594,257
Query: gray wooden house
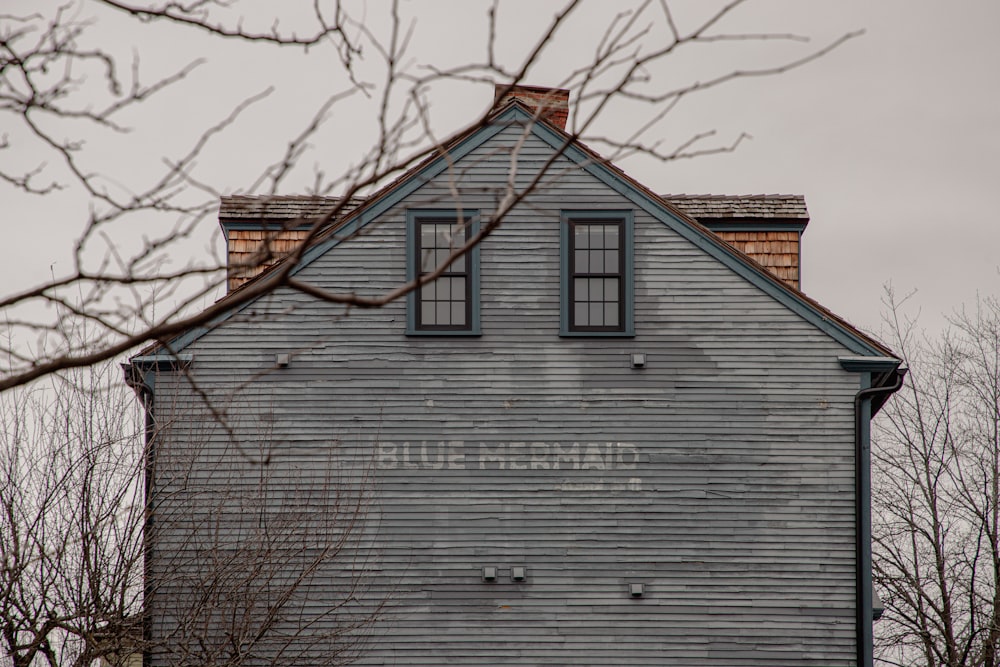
612,433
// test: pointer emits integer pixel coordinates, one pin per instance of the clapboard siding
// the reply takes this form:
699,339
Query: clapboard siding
721,476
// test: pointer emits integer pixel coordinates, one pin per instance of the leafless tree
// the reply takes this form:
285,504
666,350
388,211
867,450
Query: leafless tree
79,80
71,522
240,576
936,499
276,570
68,95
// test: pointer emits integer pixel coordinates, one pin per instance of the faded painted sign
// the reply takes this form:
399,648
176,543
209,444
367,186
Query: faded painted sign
459,455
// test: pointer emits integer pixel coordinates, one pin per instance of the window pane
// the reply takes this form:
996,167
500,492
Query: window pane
445,237
596,289
427,236
582,265
611,237
580,288
437,257
581,234
443,313
457,288
429,291
458,313
581,313
443,289
427,258
458,264
611,314
596,236
596,261
611,289
427,313
611,261
596,314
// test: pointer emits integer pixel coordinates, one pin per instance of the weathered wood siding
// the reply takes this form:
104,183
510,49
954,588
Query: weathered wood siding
720,476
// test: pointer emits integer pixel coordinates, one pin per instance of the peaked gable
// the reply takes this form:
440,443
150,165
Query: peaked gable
605,172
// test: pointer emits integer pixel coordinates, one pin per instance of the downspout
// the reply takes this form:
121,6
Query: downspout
862,481
140,375
136,378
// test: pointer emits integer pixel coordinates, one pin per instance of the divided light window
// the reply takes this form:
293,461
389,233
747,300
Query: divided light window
597,275
444,304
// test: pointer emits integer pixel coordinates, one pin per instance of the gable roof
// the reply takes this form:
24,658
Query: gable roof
669,210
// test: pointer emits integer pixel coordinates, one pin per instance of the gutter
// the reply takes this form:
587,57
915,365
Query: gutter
880,378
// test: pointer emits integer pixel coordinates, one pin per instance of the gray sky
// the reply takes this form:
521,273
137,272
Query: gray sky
893,138
895,142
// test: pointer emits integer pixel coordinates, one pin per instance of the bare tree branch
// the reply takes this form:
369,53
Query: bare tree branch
937,460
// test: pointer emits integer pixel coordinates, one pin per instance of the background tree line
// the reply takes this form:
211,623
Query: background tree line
936,493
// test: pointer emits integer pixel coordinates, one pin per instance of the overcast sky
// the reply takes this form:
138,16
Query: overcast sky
895,142
893,138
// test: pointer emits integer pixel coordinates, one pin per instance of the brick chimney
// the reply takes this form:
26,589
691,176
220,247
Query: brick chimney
554,102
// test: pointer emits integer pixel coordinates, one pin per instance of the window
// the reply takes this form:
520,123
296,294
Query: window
596,289
597,273
448,305
444,303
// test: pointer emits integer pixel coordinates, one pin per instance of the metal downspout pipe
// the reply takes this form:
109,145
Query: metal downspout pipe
862,481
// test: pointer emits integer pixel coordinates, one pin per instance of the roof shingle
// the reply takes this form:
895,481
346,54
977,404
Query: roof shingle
778,207
291,207
280,207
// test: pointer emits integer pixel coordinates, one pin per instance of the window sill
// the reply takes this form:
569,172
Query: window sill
597,334
442,333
